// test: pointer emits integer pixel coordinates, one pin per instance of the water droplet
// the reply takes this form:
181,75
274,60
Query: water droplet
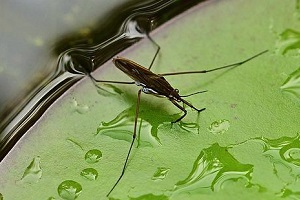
287,193
289,41
285,149
89,173
293,155
93,156
33,173
80,108
219,127
150,197
121,128
283,154
291,87
51,198
213,167
69,190
160,173
75,143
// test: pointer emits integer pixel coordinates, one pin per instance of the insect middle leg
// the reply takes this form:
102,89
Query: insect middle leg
132,142
181,108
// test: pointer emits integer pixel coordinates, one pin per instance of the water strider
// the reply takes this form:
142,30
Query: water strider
157,85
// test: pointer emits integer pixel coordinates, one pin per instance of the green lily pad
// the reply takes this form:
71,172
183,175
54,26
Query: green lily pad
254,155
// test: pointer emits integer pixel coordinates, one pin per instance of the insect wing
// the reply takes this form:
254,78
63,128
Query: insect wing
152,83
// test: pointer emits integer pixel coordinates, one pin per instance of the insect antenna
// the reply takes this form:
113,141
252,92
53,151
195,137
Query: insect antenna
215,69
193,93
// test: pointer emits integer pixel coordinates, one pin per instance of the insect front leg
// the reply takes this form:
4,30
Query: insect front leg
181,108
190,105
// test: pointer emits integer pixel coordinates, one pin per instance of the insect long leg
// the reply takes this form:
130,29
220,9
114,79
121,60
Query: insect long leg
215,69
181,108
156,53
132,142
116,82
190,105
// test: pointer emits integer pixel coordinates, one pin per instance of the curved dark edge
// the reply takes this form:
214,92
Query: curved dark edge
39,109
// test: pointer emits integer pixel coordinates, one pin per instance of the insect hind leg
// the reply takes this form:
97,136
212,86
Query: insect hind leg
157,51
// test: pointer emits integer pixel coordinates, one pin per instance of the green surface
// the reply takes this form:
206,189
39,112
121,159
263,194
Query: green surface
244,146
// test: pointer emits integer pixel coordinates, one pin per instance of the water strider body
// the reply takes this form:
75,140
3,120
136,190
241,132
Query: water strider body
157,85
152,83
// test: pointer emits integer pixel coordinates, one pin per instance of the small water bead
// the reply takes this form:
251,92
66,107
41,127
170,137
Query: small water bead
287,193
160,173
89,173
219,127
149,197
33,173
294,154
93,156
288,42
69,189
80,108
291,86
